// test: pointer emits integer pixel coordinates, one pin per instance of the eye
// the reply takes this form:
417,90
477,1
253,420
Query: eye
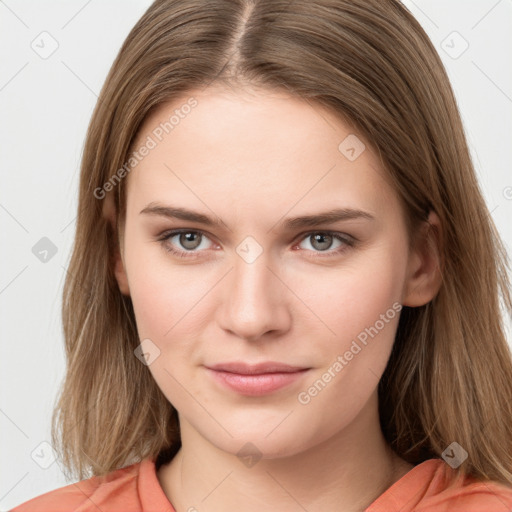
188,242
189,239
322,242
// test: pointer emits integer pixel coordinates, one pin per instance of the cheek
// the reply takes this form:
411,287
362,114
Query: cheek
165,296
363,309
167,305
153,300
168,311
354,296
362,306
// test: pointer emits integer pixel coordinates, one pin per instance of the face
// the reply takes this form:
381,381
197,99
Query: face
253,286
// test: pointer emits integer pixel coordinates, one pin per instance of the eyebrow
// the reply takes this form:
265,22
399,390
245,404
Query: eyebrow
304,221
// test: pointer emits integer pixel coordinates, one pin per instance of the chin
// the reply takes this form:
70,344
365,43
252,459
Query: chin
262,443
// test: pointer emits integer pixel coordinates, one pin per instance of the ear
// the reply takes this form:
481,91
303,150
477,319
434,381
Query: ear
110,215
424,275
120,272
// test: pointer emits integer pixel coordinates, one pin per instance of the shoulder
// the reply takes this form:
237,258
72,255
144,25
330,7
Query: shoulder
433,486
446,490
467,494
116,489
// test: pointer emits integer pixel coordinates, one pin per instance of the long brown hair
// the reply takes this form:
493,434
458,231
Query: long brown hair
449,377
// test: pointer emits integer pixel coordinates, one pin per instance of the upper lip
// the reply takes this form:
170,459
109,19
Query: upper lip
255,369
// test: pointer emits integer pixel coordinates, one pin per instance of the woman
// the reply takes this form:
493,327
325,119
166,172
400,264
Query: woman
285,287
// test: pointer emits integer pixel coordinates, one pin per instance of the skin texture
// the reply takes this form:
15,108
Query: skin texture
254,159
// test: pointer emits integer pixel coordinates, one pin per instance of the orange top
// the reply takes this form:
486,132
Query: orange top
135,488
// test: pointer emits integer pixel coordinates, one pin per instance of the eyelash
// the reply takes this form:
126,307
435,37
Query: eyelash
346,240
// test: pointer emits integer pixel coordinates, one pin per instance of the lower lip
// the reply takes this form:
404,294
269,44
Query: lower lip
256,385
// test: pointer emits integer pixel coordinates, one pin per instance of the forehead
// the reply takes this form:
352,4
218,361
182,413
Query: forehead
253,147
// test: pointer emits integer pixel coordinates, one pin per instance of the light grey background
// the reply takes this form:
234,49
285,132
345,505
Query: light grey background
45,105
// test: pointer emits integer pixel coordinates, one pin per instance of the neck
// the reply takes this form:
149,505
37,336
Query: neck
353,467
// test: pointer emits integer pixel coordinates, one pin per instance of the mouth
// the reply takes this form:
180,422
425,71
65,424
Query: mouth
255,379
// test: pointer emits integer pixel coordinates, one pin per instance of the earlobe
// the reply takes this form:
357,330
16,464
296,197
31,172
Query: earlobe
424,276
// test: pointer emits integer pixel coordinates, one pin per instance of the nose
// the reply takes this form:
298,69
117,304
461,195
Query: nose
254,302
